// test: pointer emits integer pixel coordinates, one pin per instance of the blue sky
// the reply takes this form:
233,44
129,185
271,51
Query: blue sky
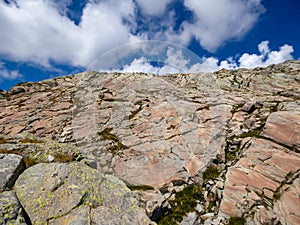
41,39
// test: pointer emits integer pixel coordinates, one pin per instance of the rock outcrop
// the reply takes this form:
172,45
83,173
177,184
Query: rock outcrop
58,193
207,148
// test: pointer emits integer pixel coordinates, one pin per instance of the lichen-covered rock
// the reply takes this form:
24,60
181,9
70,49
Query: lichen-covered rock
64,193
10,209
11,166
38,150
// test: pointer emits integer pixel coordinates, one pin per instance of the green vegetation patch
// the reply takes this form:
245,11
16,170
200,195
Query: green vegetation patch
185,202
117,146
211,172
236,221
107,135
139,187
135,112
37,150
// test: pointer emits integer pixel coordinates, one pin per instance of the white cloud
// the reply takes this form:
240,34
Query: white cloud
218,21
178,61
153,7
39,31
8,74
36,31
265,56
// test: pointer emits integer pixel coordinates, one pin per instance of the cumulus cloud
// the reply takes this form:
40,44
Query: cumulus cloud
154,7
217,21
40,31
36,31
266,56
178,61
8,74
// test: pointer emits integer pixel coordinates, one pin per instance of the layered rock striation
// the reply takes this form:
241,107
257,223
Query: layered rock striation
207,148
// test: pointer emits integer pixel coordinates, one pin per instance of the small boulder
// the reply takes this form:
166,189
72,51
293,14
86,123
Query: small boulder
11,166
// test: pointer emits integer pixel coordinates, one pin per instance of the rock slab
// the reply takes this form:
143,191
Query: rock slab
74,193
256,183
11,166
284,127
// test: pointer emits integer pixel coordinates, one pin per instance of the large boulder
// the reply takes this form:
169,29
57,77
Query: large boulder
76,194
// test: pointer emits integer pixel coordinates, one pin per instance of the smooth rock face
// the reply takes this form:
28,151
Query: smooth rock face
284,127
73,193
11,166
10,209
254,183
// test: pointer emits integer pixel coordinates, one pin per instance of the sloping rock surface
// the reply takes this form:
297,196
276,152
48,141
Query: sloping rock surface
76,194
258,184
284,127
169,137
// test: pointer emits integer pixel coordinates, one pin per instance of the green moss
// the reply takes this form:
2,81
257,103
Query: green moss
3,140
211,172
117,146
135,112
236,221
139,187
115,149
254,133
210,205
185,201
231,155
107,135
62,157
30,161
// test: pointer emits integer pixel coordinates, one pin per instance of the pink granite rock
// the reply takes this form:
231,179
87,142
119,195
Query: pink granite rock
257,177
284,127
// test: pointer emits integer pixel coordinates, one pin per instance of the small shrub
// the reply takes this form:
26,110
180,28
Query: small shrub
211,172
237,221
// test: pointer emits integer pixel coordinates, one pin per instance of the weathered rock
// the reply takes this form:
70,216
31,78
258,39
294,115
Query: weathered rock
161,130
11,166
189,219
65,193
10,209
38,150
284,127
288,206
254,182
153,129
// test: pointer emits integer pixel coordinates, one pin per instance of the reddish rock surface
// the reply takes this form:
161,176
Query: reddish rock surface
284,127
254,183
171,131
